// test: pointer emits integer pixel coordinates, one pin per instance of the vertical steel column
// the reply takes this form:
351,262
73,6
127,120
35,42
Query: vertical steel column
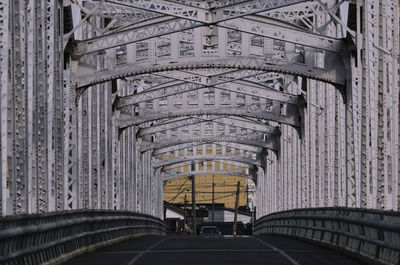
116,178
194,229
312,144
31,127
5,89
58,87
17,119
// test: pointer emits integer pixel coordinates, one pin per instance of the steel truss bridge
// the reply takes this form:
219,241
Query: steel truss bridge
103,100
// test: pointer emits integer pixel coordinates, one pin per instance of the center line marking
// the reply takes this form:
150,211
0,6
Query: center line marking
213,250
146,251
279,251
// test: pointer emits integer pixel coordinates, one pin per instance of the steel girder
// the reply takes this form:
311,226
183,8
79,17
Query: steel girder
156,27
202,11
204,130
4,90
237,87
209,77
208,129
333,73
161,163
233,121
186,146
252,103
184,164
271,28
166,177
167,25
160,26
291,118
208,140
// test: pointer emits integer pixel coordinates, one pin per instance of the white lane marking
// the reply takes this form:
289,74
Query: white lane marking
233,237
279,251
146,251
214,250
189,250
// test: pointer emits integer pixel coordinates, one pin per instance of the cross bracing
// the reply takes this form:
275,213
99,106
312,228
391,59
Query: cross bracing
238,122
235,87
166,177
304,93
204,140
294,63
162,163
215,167
178,168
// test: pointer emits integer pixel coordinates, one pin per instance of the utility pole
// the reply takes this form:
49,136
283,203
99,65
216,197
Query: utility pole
213,202
193,207
236,208
253,217
247,194
184,217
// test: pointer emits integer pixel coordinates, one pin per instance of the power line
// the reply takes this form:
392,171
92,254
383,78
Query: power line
180,190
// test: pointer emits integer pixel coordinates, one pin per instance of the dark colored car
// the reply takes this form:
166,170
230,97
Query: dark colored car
209,231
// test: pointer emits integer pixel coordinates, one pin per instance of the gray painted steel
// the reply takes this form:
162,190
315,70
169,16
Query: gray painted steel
306,89
37,239
370,233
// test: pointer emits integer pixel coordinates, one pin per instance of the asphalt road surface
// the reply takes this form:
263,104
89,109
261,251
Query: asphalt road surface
213,251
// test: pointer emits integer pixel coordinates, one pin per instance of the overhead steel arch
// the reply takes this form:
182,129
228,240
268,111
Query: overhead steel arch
187,121
265,27
180,167
241,87
162,163
179,21
166,177
180,147
206,130
145,146
334,73
127,120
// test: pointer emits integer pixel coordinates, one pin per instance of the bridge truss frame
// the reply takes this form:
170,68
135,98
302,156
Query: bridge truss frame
306,102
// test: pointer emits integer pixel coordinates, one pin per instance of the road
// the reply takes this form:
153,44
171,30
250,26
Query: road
213,250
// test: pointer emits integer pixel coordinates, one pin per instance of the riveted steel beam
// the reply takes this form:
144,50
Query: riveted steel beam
258,91
238,87
166,177
291,118
156,27
210,80
181,165
161,163
175,87
233,121
189,144
159,26
145,146
156,93
224,165
270,28
203,14
251,7
168,8
334,73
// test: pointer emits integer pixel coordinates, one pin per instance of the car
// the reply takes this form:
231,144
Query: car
210,230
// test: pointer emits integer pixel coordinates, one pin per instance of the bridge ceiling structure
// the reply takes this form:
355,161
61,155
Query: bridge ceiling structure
299,96
206,76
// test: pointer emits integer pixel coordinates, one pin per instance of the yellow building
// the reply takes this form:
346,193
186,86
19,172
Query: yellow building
224,190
